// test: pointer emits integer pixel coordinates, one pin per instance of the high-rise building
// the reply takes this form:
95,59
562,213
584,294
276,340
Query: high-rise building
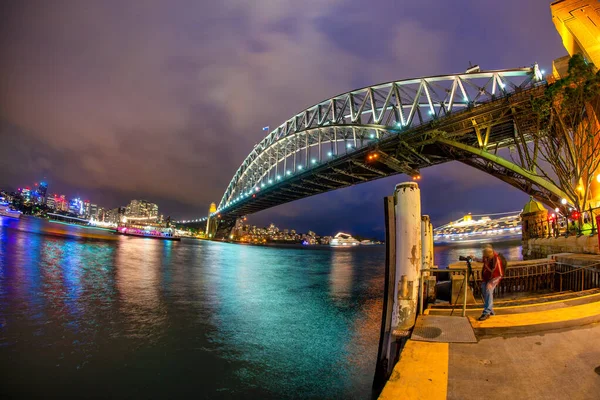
115,215
50,203
94,211
86,208
61,203
40,192
76,206
25,194
141,209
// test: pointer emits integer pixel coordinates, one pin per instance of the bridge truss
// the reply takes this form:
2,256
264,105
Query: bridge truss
391,128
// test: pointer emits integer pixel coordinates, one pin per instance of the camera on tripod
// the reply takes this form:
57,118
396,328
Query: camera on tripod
467,259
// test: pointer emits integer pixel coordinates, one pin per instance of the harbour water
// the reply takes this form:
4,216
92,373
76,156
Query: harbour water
146,318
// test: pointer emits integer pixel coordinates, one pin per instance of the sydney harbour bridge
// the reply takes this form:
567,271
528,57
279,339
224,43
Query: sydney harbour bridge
392,128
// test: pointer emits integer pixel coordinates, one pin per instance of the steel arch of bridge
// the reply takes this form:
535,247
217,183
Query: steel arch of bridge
359,119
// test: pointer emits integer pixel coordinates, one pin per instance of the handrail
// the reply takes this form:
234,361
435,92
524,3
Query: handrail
465,285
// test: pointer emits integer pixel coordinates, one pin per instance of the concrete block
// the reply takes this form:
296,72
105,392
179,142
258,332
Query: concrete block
458,291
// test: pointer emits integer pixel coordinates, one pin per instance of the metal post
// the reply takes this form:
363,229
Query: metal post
465,284
407,198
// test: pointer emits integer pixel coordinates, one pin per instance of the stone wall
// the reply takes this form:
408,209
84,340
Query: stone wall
539,248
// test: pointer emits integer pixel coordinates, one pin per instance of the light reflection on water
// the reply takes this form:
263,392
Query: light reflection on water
149,318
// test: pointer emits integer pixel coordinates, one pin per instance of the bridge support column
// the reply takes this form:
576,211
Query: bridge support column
407,198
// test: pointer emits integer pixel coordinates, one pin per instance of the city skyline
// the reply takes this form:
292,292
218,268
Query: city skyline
180,149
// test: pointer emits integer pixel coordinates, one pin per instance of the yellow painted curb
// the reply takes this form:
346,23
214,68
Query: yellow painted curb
539,317
420,374
519,306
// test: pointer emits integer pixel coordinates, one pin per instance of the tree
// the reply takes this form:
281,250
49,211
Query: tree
565,149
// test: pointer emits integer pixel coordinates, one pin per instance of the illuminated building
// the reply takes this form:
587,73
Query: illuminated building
141,209
93,211
115,215
578,23
50,203
26,194
76,206
40,192
86,208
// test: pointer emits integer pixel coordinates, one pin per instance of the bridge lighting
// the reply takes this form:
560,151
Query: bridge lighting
399,124
543,72
256,189
349,146
430,112
563,201
372,136
299,166
288,172
416,177
270,181
557,209
466,98
315,161
262,185
329,153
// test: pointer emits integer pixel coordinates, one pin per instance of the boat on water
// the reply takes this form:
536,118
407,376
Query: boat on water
480,228
343,239
147,230
6,210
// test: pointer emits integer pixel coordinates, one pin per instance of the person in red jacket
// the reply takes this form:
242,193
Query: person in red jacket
491,273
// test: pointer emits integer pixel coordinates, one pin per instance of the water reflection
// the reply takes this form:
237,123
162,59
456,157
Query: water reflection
342,271
139,262
175,319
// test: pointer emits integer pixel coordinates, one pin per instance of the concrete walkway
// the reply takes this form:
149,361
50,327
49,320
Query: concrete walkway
550,352
553,365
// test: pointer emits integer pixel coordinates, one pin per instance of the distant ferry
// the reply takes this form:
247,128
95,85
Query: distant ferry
480,228
343,239
147,230
7,211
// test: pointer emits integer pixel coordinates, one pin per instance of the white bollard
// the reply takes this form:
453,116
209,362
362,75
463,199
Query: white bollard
407,198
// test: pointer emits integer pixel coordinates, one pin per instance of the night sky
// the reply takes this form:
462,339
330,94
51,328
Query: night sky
162,100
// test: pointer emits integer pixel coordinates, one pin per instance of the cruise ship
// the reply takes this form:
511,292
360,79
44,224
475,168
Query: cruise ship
480,228
343,239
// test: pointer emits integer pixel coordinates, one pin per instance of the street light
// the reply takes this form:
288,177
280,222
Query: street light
563,201
598,178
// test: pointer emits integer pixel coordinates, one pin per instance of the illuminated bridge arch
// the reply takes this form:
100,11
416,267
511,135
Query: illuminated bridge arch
321,141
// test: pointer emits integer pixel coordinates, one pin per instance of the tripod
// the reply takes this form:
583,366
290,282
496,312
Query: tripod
470,281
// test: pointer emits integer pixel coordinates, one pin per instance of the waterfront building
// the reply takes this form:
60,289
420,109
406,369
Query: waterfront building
76,206
25,194
40,192
86,208
141,209
50,203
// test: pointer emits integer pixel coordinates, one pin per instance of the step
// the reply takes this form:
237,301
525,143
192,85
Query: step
521,309
538,321
541,298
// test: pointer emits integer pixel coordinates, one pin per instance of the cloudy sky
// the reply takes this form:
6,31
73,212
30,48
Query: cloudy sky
113,100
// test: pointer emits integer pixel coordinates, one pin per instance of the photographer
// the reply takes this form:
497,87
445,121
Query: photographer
491,273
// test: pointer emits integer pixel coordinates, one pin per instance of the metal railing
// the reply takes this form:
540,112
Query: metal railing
522,278
569,277
547,276
564,223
